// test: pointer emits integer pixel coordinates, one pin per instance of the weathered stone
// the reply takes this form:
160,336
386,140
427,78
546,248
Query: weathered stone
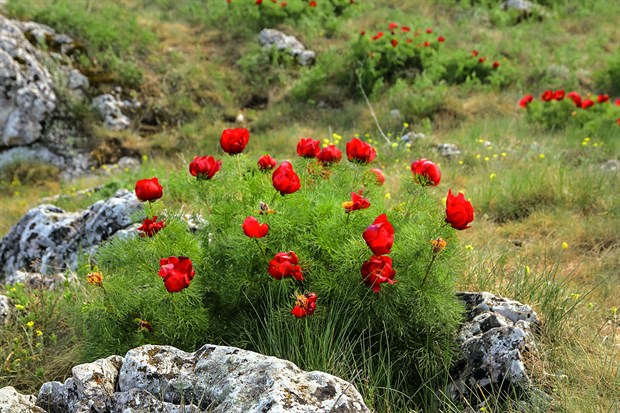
411,137
5,310
492,340
521,5
35,280
282,41
96,382
138,400
13,402
110,109
448,150
611,165
48,238
231,380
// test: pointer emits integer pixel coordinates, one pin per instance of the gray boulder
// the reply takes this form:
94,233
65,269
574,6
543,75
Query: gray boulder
282,41
48,239
493,341
214,378
5,310
111,110
13,402
448,150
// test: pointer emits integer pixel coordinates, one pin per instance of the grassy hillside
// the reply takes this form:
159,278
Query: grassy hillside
547,211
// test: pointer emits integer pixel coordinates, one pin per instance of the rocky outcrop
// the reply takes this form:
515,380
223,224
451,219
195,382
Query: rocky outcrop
5,310
13,402
493,341
111,110
48,239
217,379
282,41
448,150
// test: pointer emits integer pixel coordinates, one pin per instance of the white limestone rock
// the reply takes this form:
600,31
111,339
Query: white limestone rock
13,402
282,41
6,309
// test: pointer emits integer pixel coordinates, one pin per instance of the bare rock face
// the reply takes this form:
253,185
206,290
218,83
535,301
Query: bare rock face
215,378
49,239
13,402
282,41
493,340
111,110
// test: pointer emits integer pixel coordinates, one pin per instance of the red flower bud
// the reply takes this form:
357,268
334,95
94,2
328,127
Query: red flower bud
459,212
360,151
441,39
234,141
254,229
148,189
379,175
204,167
546,96
285,179
266,162
587,103
425,172
558,94
330,154
379,236
526,100
308,148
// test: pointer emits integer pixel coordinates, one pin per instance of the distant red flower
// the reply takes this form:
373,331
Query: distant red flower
330,154
177,273
482,59
429,30
425,172
394,42
379,236
547,96
151,227
526,100
204,167
148,189
574,96
379,175
587,103
427,44
376,271
357,202
266,162
254,229
409,40
495,64
377,36
259,2
474,53
618,121
360,151
285,179
602,98
362,33
459,212
304,305
285,264
405,29
618,102
312,3
283,4
308,147
558,94
233,141
393,26
441,39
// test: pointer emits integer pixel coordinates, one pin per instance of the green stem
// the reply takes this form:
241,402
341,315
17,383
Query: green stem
237,156
428,270
273,199
261,249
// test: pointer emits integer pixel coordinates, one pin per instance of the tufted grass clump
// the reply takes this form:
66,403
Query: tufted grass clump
389,343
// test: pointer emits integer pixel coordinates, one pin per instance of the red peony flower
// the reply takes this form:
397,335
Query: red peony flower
394,42
441,39
151,227
425,172
177,273
285,179
312,3
266,162
285,264
482,59
357,202
393,26
602,98
259,2
254,229
377,36
459,212
558,94
376,271
379,236
429,30
148,189
283,4
405,29
474,53
379,175
526,100
574,96
495,64
360,151
234,140
204,167
618,121
427,44
330,154
308,148
618,102
587,103
304,305
547,96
